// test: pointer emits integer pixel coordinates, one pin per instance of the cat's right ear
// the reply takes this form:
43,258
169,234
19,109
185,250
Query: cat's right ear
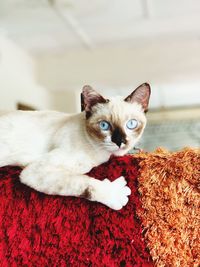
89,98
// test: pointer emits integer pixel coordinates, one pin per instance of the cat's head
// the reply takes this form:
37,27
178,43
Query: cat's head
116,123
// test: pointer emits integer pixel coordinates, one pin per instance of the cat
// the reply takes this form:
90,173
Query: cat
57,149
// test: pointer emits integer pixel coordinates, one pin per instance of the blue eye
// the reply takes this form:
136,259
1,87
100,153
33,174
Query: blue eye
132,124
104,125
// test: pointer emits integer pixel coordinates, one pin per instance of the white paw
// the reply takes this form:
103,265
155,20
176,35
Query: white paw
115,194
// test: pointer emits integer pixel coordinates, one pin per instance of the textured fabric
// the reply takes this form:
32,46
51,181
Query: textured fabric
169,184
40,230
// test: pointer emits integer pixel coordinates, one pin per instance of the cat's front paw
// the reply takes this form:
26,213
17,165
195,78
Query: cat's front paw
116,193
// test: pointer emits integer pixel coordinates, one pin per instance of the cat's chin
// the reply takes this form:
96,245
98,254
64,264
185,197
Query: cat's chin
120,152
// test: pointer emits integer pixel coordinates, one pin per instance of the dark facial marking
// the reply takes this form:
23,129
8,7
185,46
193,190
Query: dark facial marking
118,137
94,131
139,128
86,194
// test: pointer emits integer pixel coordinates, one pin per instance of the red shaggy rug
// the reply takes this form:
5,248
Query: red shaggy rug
40,230
51,231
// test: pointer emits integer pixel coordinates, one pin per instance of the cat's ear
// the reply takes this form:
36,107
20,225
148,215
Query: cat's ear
89,98
141,96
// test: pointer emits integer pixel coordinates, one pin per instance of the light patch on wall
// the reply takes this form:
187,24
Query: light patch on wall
17,78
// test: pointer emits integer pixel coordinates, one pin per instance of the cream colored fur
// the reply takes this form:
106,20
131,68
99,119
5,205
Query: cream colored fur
56,150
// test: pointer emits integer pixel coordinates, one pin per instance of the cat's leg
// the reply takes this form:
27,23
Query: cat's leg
57,180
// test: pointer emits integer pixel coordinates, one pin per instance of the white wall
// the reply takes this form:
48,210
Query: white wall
66,101
174,77
17,79
170,66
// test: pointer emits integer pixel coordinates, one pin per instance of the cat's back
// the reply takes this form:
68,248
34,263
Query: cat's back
22,119
30,128
26,135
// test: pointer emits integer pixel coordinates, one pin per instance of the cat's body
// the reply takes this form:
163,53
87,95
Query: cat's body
44,132
57,149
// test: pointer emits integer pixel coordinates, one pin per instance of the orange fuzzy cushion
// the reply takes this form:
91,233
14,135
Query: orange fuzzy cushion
169,184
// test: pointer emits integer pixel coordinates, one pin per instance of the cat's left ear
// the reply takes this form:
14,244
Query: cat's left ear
141,96
89,98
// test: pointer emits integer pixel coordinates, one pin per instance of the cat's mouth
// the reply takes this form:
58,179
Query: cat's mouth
113,148
120,151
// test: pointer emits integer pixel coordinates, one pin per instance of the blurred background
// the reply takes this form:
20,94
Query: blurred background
49,49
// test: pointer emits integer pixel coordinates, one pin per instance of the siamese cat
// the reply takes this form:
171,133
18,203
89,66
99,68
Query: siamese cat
57,149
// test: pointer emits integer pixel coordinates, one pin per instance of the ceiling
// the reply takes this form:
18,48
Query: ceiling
52,25
113,44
